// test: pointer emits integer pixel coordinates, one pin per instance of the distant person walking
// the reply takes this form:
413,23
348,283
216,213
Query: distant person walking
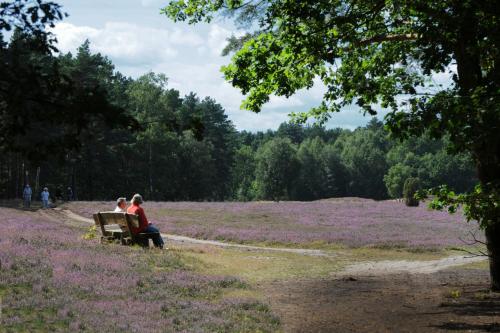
27,192
121,205
45,197
144,224
69,193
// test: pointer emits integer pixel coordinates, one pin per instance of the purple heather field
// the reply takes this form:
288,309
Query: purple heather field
53,280
346,221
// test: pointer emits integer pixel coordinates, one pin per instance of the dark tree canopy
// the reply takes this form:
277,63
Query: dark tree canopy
43,108
30,16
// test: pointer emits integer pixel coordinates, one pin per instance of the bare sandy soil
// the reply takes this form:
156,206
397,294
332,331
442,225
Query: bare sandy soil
405,266
448,301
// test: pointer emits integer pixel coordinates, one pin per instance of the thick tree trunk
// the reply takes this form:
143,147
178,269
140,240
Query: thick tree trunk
493,245
73,183
486,152
488,164
18,176
488,174
150,167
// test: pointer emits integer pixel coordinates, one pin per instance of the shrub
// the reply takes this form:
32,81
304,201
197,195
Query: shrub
91,233
411,187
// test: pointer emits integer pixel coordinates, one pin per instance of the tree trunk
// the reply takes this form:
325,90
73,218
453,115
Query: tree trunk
90,174
18,175
488,167
493,245
9,176
150,167
73,183
486,153
37,182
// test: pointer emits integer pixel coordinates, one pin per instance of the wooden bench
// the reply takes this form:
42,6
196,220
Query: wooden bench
122,234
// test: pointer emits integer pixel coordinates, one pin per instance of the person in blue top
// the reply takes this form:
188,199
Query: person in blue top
45,197
27,192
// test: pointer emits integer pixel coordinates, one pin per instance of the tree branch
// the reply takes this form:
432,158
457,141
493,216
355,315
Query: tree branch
474,238
475,241
474,254
387,38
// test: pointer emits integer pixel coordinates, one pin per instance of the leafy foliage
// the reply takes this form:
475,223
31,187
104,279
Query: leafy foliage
410,188
44,108
276,169
482,204
381,54
117,135
243,173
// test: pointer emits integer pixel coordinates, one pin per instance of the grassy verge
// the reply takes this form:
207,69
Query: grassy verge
262,266
258,266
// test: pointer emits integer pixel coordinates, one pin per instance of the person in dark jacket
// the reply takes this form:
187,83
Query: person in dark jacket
69,194
27,193
45,196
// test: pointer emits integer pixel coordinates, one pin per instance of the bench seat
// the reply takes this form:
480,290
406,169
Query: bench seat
122,234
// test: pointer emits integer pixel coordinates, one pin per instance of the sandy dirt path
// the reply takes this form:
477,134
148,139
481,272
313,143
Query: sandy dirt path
403,266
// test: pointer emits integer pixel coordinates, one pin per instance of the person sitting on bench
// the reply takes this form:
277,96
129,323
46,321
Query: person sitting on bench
121,205
144,225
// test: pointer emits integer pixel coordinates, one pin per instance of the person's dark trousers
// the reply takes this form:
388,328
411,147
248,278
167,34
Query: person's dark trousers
157,240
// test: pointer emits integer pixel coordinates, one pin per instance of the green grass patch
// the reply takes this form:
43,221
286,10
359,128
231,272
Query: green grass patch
258,266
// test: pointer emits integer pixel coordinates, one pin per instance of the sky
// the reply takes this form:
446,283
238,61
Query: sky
138,39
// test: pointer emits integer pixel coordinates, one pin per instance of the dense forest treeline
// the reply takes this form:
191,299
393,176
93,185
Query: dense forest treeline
185,148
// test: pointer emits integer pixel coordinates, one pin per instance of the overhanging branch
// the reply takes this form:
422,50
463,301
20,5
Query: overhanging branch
387,38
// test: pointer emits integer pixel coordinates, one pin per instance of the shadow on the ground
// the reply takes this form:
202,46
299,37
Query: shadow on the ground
492,327
18,204
389,303
488,308
477,308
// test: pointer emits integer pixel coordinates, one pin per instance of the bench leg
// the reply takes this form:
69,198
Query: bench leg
106,239
144,242
125,240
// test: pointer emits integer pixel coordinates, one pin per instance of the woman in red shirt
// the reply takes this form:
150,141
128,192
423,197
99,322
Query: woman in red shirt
144,224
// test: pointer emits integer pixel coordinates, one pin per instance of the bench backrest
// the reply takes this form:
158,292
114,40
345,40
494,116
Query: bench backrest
123,220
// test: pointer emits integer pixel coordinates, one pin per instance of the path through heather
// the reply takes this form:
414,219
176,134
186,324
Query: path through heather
372,268
183,239
349,222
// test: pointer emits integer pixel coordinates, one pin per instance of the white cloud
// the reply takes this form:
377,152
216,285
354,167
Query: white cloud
217,38
203,79
69,36
188,55
250,121
185,38
191,60
318,90
202,50
151,3
127,43
444,80
276,102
